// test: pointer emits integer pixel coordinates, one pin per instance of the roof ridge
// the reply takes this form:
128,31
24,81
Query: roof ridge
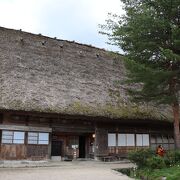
54,38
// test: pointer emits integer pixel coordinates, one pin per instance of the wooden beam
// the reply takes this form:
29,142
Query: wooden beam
71,129
25,128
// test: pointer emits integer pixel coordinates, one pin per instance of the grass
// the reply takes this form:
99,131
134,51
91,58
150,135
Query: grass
171,173
153,167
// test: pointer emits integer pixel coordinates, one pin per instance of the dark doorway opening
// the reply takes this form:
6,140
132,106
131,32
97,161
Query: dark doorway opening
56,149
82,146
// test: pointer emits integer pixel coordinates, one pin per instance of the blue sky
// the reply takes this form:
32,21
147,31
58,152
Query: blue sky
65,19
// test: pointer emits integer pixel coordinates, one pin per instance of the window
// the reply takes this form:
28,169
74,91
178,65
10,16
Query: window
7,137
171,139
43,138
111,139
142,139
121,139
32,138
159,139
126,140
18,138
130,140
12,137
38,138
167,141
153,139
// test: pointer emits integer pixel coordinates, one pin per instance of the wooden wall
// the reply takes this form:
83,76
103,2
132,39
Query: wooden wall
101,142
22,151
103,129
12,152
15,121
36,152
72,125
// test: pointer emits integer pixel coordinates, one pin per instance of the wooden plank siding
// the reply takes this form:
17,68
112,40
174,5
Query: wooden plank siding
25,128
101,142
13,151
63,129
22,151
37,152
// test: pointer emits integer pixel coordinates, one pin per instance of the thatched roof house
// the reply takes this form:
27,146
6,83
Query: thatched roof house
43,74
65,99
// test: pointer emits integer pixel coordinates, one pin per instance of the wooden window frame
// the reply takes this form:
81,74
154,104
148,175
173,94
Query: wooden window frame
12,137
142,134
38,138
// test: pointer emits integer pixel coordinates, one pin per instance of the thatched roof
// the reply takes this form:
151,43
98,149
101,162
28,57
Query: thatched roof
43,74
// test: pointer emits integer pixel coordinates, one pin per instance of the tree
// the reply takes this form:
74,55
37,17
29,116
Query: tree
149,34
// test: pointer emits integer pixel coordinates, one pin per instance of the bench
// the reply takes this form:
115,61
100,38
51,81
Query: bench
108,158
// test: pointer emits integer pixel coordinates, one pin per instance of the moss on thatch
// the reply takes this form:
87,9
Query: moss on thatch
65,77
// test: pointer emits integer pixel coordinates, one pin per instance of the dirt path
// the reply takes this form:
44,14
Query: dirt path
66,171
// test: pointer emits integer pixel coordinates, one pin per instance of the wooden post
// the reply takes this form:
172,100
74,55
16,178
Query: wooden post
50,145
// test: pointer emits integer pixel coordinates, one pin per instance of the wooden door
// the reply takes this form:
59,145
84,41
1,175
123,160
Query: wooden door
56,148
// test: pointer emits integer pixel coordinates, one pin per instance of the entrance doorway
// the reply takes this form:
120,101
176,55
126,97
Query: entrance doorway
56,148
82,146
71,145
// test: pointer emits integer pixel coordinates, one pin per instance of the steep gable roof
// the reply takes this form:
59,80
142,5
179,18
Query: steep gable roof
43,74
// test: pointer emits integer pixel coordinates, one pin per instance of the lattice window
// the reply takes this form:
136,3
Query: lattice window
38,138
142,140
126,140
12,137
111,139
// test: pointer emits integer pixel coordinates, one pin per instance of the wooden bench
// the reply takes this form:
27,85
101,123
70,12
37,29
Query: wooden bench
108,158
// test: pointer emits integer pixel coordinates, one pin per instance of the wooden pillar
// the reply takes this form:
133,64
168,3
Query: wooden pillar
50,145
1,121
1,118
101,142
87,145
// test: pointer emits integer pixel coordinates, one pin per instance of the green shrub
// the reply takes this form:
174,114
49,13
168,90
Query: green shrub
172,157
147,158
140,156
155,162
169,158
168,162
177,156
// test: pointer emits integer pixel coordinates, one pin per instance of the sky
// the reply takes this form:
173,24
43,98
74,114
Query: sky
74,20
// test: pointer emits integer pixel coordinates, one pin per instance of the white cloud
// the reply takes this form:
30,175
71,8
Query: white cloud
100,8
18,14
67,19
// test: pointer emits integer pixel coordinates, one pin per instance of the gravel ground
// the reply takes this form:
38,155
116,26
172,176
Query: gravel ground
88,170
